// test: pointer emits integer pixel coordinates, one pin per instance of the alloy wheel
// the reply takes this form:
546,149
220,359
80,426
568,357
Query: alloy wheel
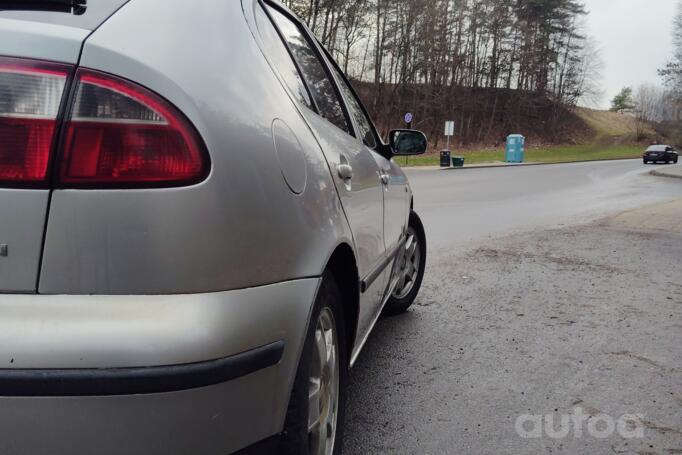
408,265
323,394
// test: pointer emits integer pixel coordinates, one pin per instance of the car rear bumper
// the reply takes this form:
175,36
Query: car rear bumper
201,373
657,157
136,381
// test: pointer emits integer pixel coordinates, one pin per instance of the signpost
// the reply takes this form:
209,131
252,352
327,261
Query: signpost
445,154
408,120
449,131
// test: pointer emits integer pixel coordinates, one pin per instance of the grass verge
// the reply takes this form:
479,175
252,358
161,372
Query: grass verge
541,155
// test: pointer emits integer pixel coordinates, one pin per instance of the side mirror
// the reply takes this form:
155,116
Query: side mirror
407,142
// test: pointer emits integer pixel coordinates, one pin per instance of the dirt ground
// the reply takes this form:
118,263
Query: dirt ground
547,323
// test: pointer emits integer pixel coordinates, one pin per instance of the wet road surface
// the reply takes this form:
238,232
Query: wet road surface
530,307
458,206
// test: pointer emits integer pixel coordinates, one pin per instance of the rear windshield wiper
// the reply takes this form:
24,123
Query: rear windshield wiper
76,7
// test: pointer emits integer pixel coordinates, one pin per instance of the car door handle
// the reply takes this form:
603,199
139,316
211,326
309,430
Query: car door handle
385,178
345,172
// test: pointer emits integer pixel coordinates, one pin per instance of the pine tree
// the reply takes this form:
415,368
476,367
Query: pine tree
623,101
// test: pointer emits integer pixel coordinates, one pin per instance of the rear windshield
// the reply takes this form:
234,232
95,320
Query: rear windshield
96,12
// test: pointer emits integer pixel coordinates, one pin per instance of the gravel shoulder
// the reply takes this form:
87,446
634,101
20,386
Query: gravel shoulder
538,323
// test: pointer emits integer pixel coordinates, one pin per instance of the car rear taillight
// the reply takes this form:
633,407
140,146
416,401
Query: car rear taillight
119,134
30,95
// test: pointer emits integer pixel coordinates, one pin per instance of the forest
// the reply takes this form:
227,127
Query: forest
493,66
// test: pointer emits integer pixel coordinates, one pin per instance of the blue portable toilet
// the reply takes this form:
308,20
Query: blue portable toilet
515,148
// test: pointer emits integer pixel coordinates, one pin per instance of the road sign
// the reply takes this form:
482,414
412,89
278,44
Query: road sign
409,117
449,129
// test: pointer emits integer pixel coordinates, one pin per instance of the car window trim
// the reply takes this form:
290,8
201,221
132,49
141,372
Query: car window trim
312,42
373,128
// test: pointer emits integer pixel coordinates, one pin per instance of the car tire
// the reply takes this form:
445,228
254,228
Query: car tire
646,162
326,329
403,298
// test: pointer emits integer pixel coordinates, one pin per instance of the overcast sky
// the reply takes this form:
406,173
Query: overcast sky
635,40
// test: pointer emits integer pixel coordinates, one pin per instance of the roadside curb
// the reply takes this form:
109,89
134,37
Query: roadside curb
659,173
487,166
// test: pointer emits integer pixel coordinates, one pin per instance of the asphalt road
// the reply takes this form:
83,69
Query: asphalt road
458,206
538,300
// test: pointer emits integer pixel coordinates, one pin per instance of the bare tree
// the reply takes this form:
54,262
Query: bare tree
649,108
590,74
672,75
484,63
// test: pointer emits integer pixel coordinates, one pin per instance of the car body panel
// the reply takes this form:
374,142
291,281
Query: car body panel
362,197
362,200
397,194
397,197
23,211
21,238
241,227
215,420
38,40
127,331
92,15
174,276
60,331
396,208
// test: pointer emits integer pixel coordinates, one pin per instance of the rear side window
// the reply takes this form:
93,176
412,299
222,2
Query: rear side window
281,58
365,129
318,80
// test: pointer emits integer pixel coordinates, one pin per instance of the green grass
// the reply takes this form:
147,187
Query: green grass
541,155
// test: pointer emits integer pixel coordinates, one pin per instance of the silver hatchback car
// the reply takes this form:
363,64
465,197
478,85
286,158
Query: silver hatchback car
200,228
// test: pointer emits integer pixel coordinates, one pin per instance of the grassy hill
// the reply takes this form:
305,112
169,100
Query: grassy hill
607,123
606,135
612,126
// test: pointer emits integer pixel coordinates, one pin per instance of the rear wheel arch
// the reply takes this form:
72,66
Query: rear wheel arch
343,267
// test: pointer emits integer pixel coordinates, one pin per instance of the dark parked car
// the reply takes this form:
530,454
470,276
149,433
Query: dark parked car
660,153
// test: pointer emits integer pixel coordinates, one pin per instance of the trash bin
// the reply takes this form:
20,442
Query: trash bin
515,149
445,158
458,161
